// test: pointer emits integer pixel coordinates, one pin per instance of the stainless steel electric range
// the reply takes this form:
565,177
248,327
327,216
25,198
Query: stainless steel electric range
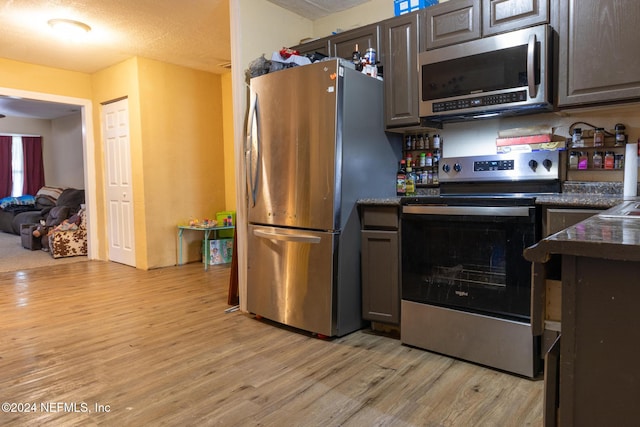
466,288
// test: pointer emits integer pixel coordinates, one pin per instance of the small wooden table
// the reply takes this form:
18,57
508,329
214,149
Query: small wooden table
207,234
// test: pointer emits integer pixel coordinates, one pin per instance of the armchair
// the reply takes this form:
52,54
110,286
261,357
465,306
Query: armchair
69,239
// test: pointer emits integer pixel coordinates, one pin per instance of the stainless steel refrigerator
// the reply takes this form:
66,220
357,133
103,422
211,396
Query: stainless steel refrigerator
315,145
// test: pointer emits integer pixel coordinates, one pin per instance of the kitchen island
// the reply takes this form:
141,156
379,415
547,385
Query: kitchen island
591,375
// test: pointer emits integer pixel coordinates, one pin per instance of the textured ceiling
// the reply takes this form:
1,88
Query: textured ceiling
315,9
192,33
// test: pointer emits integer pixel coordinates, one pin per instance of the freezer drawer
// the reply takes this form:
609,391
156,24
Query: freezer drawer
290,277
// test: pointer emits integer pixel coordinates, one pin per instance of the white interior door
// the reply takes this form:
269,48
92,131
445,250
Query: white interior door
119,189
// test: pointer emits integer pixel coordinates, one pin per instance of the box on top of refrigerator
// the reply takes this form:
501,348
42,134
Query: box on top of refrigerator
401,7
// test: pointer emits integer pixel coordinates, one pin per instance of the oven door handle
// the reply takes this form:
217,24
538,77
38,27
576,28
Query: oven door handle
520,211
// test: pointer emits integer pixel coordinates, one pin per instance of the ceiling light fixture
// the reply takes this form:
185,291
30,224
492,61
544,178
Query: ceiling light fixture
69,27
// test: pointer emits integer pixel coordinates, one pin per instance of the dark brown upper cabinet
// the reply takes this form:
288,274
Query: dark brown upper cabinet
499,16
455,21
598,59
400,45
342,45
314,46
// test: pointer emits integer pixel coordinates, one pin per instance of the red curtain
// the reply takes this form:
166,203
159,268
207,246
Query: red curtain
6,169
33,164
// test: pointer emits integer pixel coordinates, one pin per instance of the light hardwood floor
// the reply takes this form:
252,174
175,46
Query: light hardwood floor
157,348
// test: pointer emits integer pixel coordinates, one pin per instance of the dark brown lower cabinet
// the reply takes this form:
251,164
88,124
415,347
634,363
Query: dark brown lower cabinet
598,377
380,264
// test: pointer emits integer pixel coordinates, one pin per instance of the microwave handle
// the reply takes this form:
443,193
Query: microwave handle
531,66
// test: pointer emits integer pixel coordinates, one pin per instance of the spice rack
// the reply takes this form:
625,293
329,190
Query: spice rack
591,163
416,144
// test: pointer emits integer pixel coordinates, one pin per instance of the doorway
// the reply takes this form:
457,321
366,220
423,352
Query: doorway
118,183
88,146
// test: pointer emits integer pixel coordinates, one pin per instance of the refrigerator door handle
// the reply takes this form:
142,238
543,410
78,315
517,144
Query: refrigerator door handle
252,146
301,238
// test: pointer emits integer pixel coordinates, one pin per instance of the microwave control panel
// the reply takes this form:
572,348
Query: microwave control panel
480,101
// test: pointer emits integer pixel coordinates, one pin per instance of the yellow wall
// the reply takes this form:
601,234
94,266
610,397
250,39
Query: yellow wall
113,83
36,78
182,153
177,145
227,128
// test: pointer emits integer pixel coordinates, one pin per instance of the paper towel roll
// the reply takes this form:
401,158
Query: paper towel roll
631,171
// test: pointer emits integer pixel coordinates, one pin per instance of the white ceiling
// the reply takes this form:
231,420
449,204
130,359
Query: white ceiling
315,9
190,33
172,31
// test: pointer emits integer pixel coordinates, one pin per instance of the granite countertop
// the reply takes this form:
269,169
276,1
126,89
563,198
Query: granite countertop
385,201
585,194
599,195
585,200
599,236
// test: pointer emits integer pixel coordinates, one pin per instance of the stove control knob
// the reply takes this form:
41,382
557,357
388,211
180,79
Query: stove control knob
446,168
457,167
547,164
533,165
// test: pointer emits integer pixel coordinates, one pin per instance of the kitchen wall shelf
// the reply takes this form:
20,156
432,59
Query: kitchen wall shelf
591,173
428,176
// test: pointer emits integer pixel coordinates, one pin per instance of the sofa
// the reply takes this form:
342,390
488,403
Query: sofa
13,215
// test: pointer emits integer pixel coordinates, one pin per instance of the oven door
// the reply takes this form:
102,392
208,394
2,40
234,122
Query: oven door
469,258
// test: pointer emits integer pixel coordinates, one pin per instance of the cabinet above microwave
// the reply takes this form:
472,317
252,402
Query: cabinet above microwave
458,21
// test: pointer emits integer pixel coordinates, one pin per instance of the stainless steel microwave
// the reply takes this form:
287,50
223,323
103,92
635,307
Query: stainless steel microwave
506,74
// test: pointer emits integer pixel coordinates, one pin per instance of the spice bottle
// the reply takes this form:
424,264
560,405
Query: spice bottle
583,161
618,162
576,138
598,137
621,137
436,141
428,161
597,160
423,160
609,160
573,160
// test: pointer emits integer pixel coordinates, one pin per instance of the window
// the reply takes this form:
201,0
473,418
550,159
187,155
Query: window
17,164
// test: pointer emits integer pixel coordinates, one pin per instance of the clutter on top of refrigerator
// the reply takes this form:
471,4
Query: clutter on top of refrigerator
287,58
